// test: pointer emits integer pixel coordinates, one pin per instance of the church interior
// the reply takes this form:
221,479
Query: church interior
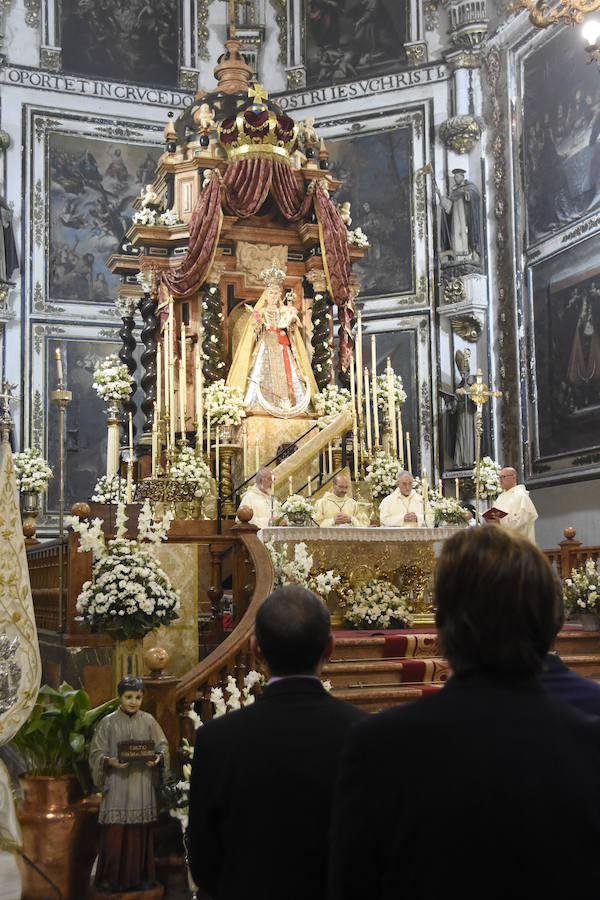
259,259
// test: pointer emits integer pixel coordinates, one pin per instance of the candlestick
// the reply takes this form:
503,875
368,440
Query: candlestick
158,407
129,490
198,399
330,455
309,487
130,436
375,407
456,488
400,441
172,413
183,372
208,432
368,411
245,451
352,385
424,494
373,356
355,445
217,453
440,487
290,489
256,456
154,442
391,405
59,366
408,454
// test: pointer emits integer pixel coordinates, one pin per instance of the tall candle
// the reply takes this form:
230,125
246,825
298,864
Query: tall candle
183,381
391,405
373,355
158,407
217,453
129,490
424,484
309,487
181,400
400,441
352,385
166,368
456,488
440,487
208,432
59,365
245,451
256,456
355,445
172,412
375,407
408,455
130,436
330,454
290,489
154,442
198,399
368,412
359,366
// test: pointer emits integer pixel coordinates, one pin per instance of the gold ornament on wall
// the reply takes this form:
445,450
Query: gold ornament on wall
460,133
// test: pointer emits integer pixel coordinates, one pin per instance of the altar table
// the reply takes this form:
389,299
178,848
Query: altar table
404,556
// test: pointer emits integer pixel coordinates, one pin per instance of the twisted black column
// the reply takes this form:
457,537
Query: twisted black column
127,309
149,334
213,348
321,338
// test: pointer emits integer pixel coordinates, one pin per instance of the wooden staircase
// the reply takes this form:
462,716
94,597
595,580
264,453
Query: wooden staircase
360,673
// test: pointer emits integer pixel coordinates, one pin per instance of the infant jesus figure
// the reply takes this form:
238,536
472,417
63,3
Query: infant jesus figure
128,754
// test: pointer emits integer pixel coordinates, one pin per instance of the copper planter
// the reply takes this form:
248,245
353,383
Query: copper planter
59,835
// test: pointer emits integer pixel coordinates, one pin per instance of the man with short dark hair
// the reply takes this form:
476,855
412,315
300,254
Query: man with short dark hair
490,788
263,776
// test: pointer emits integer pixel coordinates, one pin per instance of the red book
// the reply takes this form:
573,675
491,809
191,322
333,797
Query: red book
490,515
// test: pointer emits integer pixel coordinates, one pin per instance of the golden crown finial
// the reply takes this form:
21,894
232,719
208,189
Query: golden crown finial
273,276
258,93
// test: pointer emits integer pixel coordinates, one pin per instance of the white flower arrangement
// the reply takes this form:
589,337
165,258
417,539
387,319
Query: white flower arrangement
149,216
382,474
449,510
296,507
358,237
129,594
224,402
382,391
109,489
32,472
331,401
489,478
299,570
169,217
378,604
112,380
582,590
189,466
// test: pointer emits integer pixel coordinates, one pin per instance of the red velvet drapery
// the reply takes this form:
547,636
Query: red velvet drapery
245,186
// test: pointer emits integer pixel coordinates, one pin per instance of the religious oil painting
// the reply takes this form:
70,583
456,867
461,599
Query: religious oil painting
566,304
380,206
122,40
85,432
93,184
561,134
347,40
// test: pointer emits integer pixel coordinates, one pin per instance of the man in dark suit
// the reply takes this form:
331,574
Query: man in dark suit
490,788
263,776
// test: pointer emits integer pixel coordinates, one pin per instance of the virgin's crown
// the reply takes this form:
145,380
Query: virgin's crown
273,276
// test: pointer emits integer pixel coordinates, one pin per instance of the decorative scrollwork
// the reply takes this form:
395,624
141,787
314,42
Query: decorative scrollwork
38,214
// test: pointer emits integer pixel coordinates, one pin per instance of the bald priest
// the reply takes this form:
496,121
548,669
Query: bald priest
261,501
516,503
404,508
336,508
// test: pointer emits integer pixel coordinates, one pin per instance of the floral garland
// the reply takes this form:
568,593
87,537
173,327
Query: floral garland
378,604
109,489
299,570
382,474
129,594
189,466
382,391
225,403
448,509
489,478
582,590
112,380
149,216
358,237
331,401
32,472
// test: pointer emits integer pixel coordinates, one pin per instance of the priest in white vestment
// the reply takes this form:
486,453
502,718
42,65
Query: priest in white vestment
404,508
515,501
336,508
261,501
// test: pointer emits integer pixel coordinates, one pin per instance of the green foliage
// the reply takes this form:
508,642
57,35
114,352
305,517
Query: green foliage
55,738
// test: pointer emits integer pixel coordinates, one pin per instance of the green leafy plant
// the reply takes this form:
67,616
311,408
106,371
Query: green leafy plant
55,738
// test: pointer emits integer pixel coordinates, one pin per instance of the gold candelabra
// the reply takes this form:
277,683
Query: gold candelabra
479,394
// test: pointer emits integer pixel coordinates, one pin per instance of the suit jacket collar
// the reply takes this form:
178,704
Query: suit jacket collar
295,686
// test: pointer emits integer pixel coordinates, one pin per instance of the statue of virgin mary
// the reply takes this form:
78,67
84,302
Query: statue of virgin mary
271,364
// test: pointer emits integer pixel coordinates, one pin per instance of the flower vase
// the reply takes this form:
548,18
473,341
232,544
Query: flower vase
30,507
297,520
127,659
226,434
589,622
